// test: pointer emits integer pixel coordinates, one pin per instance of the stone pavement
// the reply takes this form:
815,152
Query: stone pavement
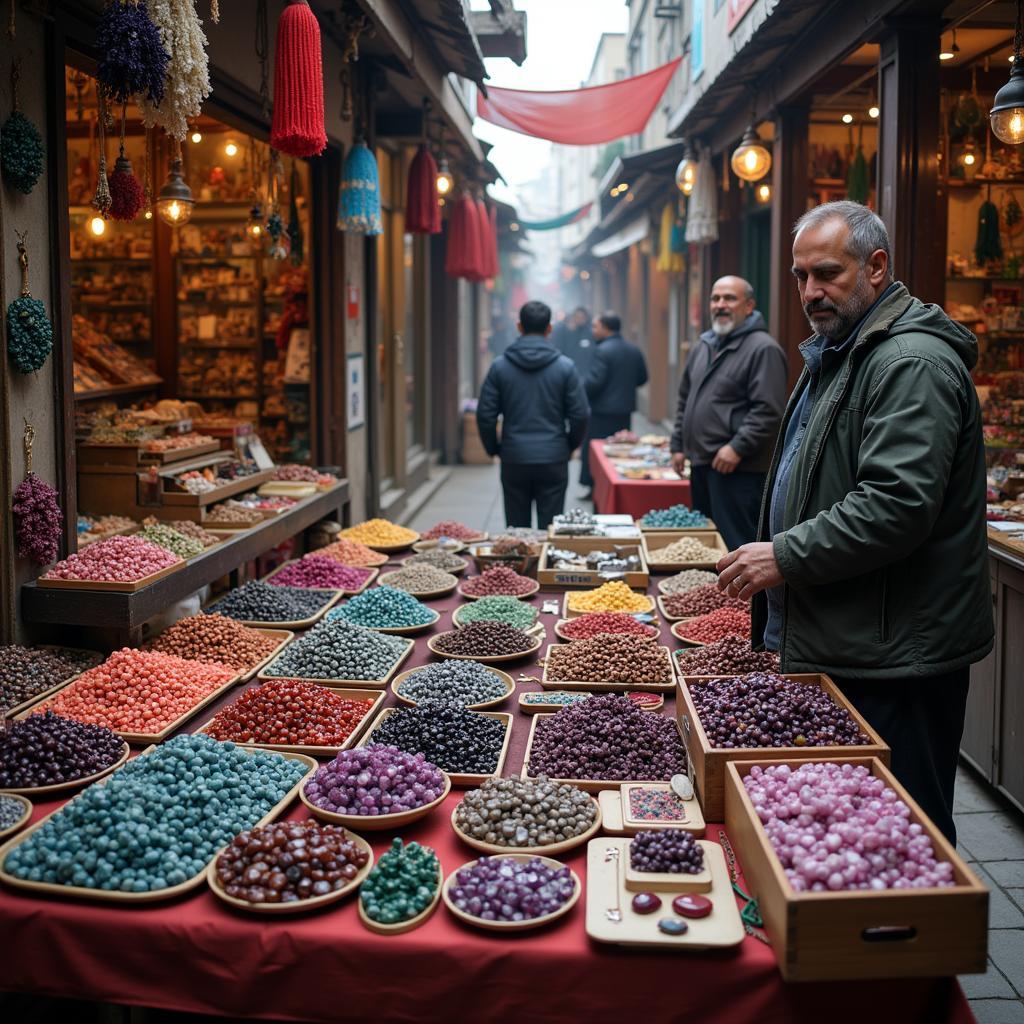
991,831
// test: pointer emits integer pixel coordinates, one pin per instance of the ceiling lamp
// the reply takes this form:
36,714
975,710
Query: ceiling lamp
686,172
231,149
751,160
764,193
174,201
1007,113
969,156
197,137
444,180
873,111
97,225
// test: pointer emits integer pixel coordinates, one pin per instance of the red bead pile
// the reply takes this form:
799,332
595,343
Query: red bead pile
289,712
590,625
451,528
496,581
114,560
716,625
700,601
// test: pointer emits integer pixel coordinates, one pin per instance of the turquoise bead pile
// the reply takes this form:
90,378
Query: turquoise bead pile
158,821
402,883
383,608
499,609
677,517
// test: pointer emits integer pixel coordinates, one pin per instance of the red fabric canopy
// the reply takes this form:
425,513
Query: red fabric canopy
579,117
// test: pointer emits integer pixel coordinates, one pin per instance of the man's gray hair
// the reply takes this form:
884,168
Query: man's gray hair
867,230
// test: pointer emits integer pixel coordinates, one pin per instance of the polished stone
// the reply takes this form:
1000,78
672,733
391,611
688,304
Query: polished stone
690,904
646,902
673,926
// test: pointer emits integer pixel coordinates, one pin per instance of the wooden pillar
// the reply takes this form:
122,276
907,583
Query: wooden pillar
726,254
789,189
908,146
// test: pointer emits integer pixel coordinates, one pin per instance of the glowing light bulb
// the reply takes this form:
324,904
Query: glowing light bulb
231,149
148,215
847,118
97,225
872,111
197,136
969,159
764,193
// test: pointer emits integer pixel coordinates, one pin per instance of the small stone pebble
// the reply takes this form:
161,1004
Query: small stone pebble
484,640
677,517
686,580
48,750
587,626
169,538
453,529
350,552
256,601
692,904
419,579
646,804
402,884
217,639
453,682
671,850
686,549
509,610
610,658
499,889
380,533
700,601
325,573
673,926
25,672
454,739
615,596
339,650
575,521
11,811
731,655
383,607
114,560
496,581
715,625
439,559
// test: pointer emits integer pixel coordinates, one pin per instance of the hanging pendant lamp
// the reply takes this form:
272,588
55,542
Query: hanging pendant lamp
751,160
686,172
174,201
422,210
1007,113
359,193
298,124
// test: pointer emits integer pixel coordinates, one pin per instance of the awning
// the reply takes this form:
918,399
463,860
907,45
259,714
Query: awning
452,36
635,231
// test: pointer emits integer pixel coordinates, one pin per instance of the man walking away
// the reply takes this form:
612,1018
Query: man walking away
572,339
731,397
617,369
544,411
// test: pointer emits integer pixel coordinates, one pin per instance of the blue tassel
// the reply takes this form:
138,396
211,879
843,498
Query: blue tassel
359,193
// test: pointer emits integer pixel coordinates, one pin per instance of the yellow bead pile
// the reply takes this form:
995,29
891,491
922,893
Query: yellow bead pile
380,533
609,597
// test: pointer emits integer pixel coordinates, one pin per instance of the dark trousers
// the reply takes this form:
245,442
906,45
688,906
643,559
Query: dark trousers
732,500
523,483
602,424
922,720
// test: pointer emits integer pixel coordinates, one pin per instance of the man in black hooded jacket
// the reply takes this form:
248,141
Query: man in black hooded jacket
540,396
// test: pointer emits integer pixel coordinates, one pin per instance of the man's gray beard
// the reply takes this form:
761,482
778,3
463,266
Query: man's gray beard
722,327
847,314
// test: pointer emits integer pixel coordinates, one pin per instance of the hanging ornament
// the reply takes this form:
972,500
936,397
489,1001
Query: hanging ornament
188,74
988,247
102,200
463,256
298,125
296,238
22,154
215,12
422,210
359,193
279,244
29,331
133,61
38,520
127,196
349,55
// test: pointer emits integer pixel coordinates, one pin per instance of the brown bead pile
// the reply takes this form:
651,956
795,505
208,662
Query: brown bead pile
498,581
485,639
700,601
610,658
730,656
215,639
233,514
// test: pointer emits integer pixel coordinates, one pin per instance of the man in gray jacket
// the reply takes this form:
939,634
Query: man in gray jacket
731,398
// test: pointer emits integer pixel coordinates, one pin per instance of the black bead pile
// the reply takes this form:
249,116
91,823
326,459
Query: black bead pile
670,849
762,709
256,601
26,671
454,739
485,639
48,750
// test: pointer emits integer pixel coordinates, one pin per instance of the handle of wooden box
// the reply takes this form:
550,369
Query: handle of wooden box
889,933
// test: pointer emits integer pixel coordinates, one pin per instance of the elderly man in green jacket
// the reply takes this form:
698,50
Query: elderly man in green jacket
871,562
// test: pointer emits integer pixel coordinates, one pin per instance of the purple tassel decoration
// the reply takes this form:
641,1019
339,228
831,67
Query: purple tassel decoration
38,520
133,61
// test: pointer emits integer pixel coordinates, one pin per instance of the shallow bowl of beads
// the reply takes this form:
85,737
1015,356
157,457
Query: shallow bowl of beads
377,822
503,677
549,850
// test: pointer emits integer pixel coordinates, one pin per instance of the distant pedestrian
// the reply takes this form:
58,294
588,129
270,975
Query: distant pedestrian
617,369
731,398
572,338
543,405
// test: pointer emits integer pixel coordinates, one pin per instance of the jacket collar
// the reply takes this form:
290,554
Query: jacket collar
888,308
754,322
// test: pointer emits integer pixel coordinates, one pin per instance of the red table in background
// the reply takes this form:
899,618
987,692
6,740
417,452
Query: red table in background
614,494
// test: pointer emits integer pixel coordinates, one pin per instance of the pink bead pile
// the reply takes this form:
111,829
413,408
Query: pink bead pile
314,571
114,560
838,827
451,528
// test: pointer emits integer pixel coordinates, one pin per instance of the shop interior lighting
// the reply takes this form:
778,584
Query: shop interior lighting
584,275
1007,113
847,118
873,111
751,160
97,226
444,181
231,148
197,137
948,53
969,156
764,193
514,226
174,202
686,172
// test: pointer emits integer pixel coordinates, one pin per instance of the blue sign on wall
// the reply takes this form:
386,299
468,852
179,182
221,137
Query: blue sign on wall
697,41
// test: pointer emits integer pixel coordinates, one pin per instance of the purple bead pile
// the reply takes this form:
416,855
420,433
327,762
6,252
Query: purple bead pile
668,849
315,571
607,737
838,827
48,750
501,889
374,780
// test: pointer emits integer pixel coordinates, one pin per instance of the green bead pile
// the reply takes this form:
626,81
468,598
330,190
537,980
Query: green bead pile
169,539
157,821
499,609
402,883
383,608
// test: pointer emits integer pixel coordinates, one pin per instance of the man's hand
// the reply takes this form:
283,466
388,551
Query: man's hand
726,460
678,462
748,570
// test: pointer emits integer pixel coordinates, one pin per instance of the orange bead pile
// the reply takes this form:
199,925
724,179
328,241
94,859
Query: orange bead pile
138,691
290,712
351,552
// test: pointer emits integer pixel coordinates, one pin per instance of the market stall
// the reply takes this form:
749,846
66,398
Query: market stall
633,495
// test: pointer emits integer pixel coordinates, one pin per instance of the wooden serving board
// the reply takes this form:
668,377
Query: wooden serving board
63,787
375,702
377,822
102,895
551,850
568,613
122,587
457,778
616,821
332,597
355,684
504,677
344,590
606,891
605,687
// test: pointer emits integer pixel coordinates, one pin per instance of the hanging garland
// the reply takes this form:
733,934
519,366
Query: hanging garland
188,75
127,196
22,154
359,193
38,520
134,60
29,332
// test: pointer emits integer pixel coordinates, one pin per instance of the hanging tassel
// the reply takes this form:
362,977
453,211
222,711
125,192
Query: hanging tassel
29,331
127,195
482,271
298,125
215,12
22,154
101,201
422,210
462,252
295,235
38,520
359,193
133,59
988,246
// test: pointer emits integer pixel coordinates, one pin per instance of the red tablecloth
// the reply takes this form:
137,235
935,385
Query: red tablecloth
613,494
196,955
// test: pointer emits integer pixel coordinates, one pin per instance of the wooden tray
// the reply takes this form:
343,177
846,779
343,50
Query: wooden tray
117,586
519,597
404,926
571,640
860,933
159,737
710,528
178,454
63,787
457,617
606,687
662,539
377,822
226,490
556,579
29,702
335,597
616,822
721,929
25,814
504,677
664,593
513,926
298,906
568,613
428,594
666,881
457,778
546,709
344,590
491,659
105,896
386,549
590,785
352,739
354,684
551,850
707,763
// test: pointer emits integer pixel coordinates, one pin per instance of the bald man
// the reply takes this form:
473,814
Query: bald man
731,398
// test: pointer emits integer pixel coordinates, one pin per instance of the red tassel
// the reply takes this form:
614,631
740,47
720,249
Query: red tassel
298,125
483,226
422,210
463,254
495,260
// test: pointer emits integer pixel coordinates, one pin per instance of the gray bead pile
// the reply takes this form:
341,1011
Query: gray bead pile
339,650
453,682
443,560
10,811
420,579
